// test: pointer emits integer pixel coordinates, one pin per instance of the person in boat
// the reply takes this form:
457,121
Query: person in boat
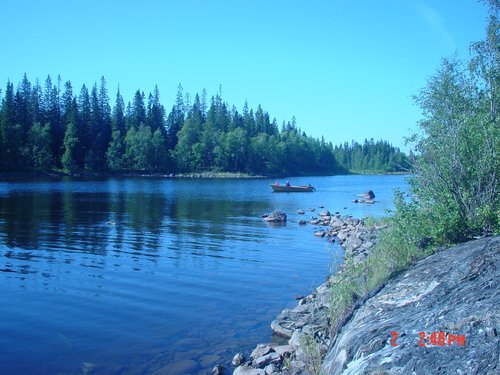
287,183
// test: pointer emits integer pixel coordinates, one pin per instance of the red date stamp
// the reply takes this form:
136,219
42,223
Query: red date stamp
434,339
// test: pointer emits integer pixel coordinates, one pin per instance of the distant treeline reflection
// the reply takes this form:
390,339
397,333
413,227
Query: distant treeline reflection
101,222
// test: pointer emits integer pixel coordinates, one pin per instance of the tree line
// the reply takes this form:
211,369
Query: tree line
371,156
51,128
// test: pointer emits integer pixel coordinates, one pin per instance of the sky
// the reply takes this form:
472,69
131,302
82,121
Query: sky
347,70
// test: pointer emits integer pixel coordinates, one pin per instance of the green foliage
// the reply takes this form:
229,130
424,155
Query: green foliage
312,354
116,152
205,136
39,141
456,173
72,147
371,156
454,192
139,148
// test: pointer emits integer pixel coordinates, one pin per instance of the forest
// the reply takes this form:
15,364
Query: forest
52,129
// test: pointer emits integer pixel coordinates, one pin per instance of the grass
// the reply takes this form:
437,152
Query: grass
312,354
396,251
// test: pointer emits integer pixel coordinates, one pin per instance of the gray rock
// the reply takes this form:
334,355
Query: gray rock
342,235
247,370
238,359
336,222
276,217
352,244
283,350
270,369
325,213
367,195
261,350
298,365
454,291
296,339
300,212
218,370
302,222
263,361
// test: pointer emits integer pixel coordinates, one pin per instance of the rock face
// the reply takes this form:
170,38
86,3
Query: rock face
455,291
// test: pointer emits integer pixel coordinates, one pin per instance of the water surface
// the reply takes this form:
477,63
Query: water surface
145,275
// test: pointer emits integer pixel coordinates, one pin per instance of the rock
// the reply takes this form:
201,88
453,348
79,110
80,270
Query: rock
296,339
261,350
270,369
320,234
352,243
342,235
298,365
325,213
238,359
454,291
367,195
300,212
302,222
276,217
311,209
336,222
218,370
263,361
284,350
247,370
369,201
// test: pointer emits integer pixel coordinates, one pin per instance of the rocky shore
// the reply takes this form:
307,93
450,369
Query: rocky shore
441,316
307,325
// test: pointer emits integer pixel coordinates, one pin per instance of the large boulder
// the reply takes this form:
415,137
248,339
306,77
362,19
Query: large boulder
367,194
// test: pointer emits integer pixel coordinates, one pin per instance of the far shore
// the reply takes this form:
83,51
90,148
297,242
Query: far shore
193,175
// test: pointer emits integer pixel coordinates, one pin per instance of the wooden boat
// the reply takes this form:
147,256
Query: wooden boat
277,188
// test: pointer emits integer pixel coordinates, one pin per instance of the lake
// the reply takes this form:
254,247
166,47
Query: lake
157,276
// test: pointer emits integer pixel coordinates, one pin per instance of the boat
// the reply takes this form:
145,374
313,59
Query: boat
277,188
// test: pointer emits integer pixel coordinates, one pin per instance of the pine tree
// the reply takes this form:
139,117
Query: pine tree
71,149
39,143
116,151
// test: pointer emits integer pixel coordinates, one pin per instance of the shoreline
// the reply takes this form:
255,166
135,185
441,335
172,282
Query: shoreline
5,176
307,326
201,175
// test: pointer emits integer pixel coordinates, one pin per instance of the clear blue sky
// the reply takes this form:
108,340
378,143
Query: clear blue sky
344,69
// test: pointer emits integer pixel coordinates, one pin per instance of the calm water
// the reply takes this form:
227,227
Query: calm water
141,276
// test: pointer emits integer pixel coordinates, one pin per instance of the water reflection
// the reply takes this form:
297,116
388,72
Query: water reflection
137,275
136,223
